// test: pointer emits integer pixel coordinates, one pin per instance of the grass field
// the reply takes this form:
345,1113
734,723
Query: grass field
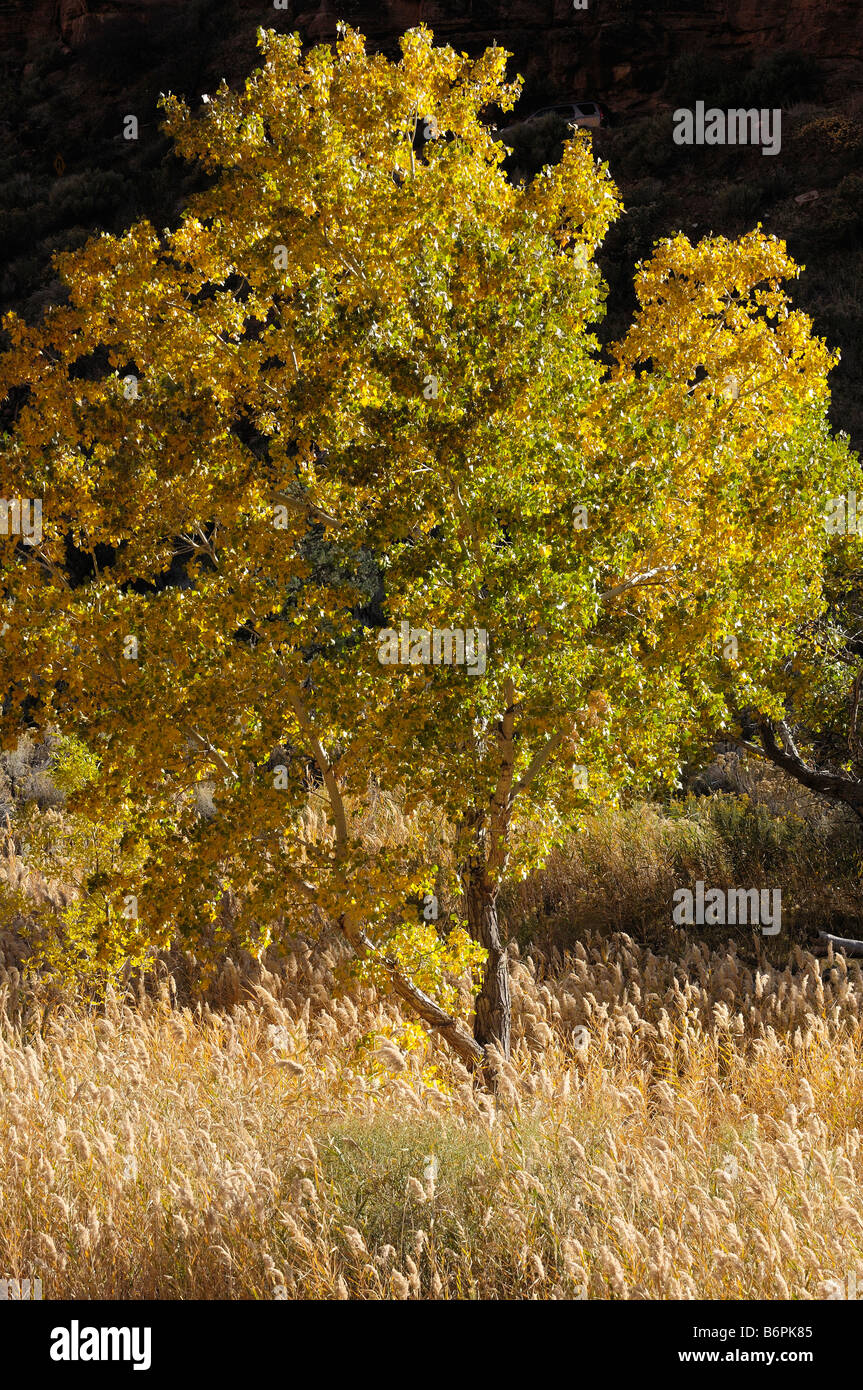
681,1116
701,1139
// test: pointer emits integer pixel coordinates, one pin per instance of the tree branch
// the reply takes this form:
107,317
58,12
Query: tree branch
431,1013
306,505
834,785
848,944
637,581
422,1004
218,758
541,757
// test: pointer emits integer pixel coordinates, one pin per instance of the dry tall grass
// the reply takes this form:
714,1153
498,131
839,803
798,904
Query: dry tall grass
704,1142
680,1119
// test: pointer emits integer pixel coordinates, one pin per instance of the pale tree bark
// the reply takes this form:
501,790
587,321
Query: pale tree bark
849,945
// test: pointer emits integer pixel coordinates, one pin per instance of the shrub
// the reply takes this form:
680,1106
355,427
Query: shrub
644,146
702,77
736,201
781,78
86,197
25,776
535,144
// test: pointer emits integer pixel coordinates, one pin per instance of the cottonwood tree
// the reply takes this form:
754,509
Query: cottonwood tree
357,386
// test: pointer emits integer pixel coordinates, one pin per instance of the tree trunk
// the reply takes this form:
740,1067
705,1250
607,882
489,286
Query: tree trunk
493,1020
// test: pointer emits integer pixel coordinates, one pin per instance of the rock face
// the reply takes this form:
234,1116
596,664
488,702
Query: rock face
611,48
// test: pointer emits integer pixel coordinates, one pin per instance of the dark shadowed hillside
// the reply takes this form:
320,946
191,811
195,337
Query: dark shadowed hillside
74,71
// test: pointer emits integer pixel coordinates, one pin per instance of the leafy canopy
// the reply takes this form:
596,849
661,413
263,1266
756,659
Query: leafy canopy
358,385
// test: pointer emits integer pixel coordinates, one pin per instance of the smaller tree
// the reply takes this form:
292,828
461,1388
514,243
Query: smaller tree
79,934
812,732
